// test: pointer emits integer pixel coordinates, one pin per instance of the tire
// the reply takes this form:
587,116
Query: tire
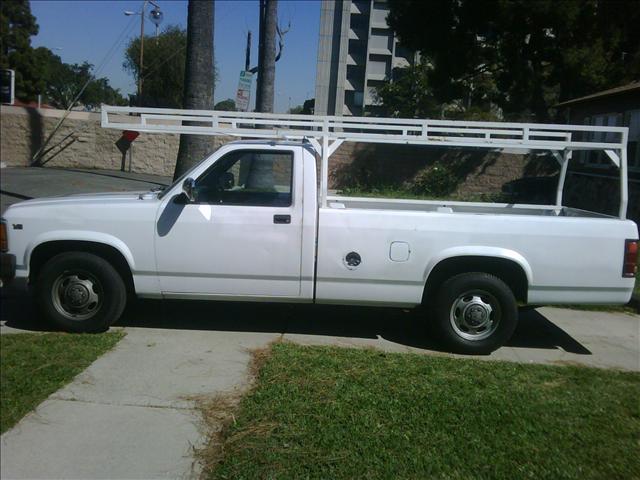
474,313
80,292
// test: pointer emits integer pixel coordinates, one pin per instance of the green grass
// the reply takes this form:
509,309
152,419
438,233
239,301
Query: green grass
321,412
403,193
34,365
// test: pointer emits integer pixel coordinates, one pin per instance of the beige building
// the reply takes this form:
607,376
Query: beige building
357,52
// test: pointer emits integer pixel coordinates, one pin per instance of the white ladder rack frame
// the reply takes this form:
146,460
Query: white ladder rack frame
327,133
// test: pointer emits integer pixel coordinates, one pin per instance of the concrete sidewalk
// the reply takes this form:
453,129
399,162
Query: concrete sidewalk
128,415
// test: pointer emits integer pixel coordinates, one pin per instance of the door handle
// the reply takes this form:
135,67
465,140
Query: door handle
286,219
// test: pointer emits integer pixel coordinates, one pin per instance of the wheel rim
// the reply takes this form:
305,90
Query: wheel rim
475,315
77,295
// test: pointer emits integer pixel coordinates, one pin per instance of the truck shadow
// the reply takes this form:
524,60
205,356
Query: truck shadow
399,326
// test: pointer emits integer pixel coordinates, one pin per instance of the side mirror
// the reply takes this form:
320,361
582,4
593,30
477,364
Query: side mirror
189,189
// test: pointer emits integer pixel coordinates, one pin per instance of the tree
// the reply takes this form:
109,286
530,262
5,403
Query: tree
518,55
199,80
296,109
39,71
267,55
17,25
163,72
228,105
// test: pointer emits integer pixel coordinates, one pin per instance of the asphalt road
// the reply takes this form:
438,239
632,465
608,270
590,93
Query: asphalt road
17,184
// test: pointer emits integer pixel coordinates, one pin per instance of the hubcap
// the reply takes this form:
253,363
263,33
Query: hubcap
475,315
77,295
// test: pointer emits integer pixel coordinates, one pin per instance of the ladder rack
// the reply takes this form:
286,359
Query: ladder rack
327,133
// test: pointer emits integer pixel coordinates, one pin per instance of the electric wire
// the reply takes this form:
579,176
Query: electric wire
105,60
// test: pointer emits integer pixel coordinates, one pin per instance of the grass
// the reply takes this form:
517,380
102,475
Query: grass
34,365
385,191
322,412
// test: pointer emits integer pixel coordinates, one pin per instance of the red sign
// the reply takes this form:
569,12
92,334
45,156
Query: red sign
130,135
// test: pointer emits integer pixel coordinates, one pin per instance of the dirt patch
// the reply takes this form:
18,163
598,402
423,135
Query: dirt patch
217,415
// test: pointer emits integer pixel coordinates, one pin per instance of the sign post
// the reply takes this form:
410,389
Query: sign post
124,144
243,95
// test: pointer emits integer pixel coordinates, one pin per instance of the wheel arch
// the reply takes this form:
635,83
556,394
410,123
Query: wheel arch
46,250
509,266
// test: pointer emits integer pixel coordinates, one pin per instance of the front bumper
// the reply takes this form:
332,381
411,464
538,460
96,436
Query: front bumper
7,266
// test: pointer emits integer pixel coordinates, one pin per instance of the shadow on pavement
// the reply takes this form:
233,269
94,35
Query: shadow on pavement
395,325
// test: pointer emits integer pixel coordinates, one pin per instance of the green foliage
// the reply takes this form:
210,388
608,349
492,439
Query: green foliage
322,412
228,105
163,67
297,109
437,181
65,82
17,25
39,71
409,94
33,366
517,56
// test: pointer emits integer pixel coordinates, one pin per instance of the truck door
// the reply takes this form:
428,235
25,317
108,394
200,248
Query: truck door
243,233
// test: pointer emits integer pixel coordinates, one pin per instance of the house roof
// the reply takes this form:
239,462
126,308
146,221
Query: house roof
605,93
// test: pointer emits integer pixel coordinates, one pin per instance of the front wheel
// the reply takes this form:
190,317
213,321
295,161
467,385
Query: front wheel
80,292
475,313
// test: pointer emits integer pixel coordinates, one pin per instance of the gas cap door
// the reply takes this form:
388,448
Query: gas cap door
399,251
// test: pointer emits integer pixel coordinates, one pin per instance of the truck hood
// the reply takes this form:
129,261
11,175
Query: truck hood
87,198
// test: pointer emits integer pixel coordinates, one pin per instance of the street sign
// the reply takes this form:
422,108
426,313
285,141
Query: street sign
243,95
124,144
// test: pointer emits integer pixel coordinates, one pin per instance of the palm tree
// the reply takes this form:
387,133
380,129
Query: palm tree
199,80
267,55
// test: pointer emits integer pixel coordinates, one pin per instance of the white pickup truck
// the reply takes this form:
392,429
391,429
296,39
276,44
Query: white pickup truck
251,223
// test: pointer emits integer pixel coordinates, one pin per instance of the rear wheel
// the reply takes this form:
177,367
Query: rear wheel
80,292
475,313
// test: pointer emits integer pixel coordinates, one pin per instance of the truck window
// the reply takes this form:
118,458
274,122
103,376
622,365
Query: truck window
248,177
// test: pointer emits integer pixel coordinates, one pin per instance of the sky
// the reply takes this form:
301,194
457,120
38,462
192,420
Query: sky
89,30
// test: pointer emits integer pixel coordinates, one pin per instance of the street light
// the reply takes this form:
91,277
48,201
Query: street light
156,17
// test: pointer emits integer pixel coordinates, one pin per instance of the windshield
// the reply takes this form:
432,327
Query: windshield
186,174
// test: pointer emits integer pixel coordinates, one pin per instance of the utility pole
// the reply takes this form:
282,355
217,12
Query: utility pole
156,17
247,58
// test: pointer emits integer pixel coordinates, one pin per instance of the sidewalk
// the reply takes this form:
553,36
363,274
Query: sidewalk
128,415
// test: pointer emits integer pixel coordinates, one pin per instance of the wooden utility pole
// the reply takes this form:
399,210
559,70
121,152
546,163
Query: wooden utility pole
247,56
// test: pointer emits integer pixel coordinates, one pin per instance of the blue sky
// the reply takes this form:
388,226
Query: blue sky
79,30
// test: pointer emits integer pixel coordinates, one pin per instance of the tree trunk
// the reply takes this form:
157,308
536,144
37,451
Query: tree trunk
198,82
267,60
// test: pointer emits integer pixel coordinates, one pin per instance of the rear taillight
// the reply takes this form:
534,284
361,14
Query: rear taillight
630,265
4,244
